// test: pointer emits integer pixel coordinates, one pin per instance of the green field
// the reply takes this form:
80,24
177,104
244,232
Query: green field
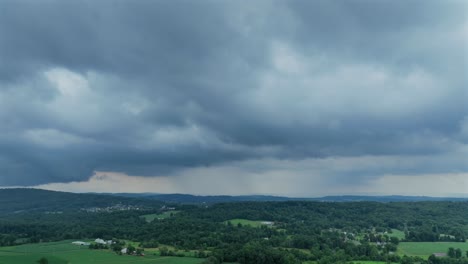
245,222
368,262
425,249
152,217
65,253
397,233
355,262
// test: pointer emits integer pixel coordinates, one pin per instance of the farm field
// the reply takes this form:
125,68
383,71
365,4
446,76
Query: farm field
369,262
248,232
355,262
245,222
397,233
151,217
65,253
425,249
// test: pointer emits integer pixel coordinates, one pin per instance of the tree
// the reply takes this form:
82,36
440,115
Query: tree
130,249
451,252
163,251
211,260
139,251
43,260
433,259
458,253
394,240
117,248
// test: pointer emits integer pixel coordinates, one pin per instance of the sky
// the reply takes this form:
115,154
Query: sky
295,98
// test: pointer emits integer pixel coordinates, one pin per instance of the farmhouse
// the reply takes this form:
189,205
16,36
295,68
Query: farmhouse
80,243
123,251
100,241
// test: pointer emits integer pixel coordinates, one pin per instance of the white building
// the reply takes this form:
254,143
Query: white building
100,241
124,251
80,243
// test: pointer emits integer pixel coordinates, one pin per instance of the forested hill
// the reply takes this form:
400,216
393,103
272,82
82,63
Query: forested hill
26,199
389,198
209,199
198,199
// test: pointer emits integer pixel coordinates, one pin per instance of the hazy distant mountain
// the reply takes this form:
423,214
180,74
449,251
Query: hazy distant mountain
390,198
195,199
21,199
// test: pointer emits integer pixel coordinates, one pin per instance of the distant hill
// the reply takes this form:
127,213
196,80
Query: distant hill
25,199
210,199
198,199
385,199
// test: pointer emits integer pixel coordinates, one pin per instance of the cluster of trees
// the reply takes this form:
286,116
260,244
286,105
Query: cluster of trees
131,250
423,221
428,233
456,253
7,240
149,244
117,247
43,260
33,227
454,256
98,246
164,251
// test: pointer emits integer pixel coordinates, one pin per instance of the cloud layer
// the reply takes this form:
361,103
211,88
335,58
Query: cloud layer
350,92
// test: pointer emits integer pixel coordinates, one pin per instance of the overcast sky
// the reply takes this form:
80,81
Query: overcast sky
297,98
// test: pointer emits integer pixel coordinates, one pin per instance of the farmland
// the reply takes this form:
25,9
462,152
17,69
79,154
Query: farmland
397,233
302,232
356,262
369,262
151,217
425,249
64,252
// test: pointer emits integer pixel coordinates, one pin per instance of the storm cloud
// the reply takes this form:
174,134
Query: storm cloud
305,93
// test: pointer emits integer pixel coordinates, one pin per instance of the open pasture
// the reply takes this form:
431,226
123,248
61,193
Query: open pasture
368,262
151,217
66,253
355,262
397,233
425,249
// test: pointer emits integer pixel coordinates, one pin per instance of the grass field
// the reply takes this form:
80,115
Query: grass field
245,222
152,217
425,249
355,262
65,253
397,233
369,262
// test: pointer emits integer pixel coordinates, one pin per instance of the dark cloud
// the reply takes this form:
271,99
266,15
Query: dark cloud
153,88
